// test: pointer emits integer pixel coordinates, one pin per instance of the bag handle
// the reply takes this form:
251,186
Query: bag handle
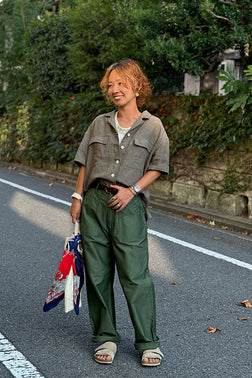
77,228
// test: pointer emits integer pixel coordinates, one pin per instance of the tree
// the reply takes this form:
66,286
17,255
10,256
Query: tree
46,60
14,19
166,37
197,33
104,31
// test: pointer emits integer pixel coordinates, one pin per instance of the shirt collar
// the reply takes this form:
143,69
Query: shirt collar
145,115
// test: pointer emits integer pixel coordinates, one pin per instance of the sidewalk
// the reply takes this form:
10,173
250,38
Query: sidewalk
157,202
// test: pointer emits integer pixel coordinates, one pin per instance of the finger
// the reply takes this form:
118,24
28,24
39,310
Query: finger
113,202
116,205
120,208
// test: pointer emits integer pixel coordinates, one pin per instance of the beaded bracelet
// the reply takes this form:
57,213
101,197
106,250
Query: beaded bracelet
132,190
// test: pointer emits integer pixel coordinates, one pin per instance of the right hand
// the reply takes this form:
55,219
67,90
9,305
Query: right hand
75,210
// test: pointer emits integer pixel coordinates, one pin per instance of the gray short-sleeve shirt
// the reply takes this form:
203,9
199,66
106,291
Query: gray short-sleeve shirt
145,147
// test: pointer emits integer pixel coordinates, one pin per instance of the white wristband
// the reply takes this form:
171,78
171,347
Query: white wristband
77,196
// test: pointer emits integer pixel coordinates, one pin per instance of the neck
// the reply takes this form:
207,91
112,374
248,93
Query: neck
129,113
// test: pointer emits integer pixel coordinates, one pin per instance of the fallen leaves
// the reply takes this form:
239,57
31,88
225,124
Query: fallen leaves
245,303
225,228
195,217
212,330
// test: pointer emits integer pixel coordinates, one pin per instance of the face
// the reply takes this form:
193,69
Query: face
120,90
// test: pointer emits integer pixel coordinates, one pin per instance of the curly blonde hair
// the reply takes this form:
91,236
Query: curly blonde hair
131,71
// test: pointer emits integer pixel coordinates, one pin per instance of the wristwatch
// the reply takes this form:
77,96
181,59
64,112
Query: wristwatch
136,188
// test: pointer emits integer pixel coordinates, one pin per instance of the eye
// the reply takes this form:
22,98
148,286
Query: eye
109,86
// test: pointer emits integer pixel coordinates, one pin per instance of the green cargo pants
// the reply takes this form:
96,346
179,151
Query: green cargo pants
117,239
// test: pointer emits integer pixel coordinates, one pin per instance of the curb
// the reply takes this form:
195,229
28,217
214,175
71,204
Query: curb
157,202
235,223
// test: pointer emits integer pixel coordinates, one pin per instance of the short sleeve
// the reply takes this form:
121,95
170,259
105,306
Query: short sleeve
160,157
81,154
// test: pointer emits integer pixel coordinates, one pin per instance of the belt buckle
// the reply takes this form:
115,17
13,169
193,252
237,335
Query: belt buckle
107,190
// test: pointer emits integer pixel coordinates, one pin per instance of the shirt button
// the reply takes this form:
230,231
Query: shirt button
117,161
122,147
112,175
128,134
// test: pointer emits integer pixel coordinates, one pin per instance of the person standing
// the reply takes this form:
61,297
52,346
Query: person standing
120,155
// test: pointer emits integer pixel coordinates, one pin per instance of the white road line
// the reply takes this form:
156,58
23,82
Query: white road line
20,187
15,362
151,232
201,250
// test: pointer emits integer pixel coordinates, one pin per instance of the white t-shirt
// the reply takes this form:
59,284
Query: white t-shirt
120,130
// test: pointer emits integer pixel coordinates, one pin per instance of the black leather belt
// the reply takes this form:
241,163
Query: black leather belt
106,189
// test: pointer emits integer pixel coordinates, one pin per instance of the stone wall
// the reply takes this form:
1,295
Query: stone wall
204,185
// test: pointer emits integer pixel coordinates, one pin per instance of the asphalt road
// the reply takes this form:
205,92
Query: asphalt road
58,345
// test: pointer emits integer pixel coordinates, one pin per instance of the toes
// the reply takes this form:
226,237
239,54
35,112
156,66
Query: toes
103,357
151,360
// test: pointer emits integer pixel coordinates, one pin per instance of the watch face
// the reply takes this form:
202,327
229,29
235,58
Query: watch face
137,188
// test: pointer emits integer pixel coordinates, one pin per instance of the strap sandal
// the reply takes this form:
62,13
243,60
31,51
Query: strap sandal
107,349
152,354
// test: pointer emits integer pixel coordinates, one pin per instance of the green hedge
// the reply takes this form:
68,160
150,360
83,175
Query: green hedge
204,123
50,131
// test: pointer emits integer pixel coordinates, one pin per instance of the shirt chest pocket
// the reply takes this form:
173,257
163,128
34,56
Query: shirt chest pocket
140,151
98,147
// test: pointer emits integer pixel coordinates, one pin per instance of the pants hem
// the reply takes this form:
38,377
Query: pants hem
103,339
149,345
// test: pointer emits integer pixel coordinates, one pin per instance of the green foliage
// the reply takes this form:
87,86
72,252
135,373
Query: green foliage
239,92
198,31
202,124
167,38
15,16
239,97
234,181
248,72
48,131
104,31
46,61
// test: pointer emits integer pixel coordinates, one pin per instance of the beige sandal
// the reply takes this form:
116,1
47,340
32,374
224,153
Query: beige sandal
152,353
107,349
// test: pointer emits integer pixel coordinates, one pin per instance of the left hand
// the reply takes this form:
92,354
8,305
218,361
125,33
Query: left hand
120,199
